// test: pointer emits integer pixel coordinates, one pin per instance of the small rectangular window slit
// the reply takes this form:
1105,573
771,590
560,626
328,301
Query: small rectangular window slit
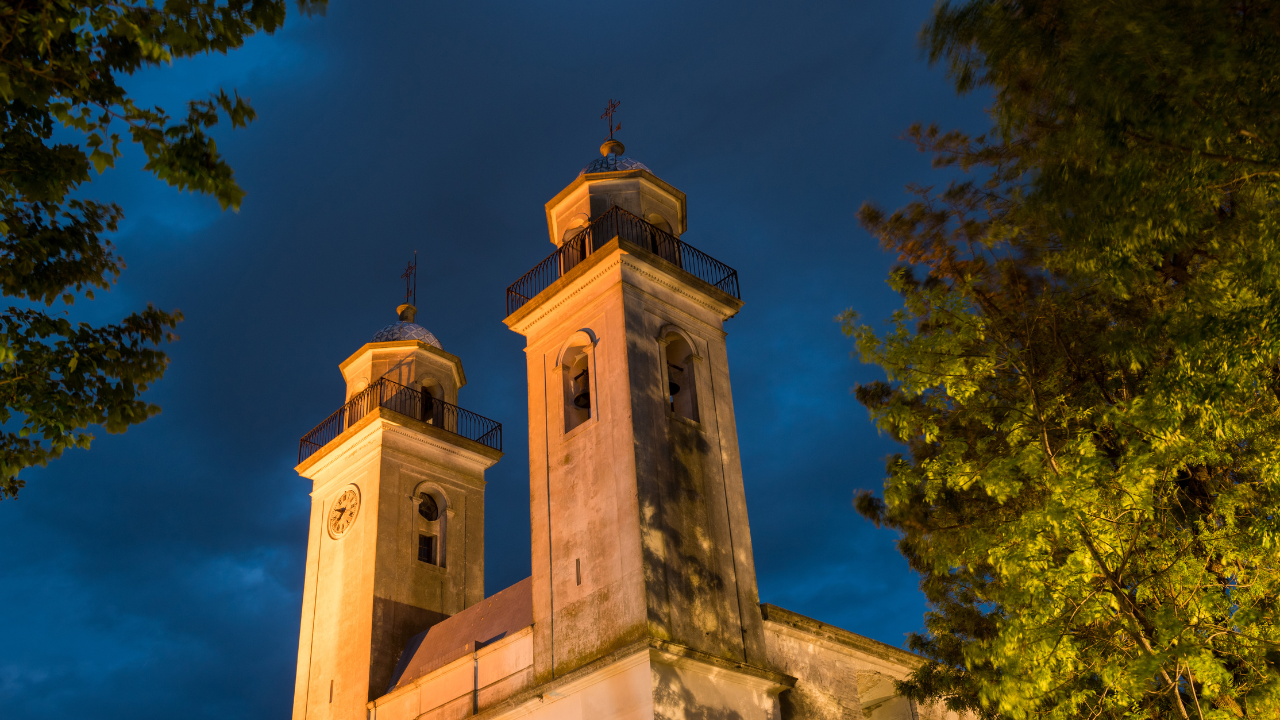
579,564
330,691
427,549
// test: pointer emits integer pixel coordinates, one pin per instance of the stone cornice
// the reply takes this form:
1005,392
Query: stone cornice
459,377
425,435
625,658
438,473
337,448
725,310
370,446
809,628
521,322
686,320
620,254
403,426
675,653
447,472
643,175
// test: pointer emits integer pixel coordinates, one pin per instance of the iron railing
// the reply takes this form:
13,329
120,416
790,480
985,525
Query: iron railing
619,223
406,401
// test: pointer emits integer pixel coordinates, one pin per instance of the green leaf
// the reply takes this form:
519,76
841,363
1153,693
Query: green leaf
1085,372
66,65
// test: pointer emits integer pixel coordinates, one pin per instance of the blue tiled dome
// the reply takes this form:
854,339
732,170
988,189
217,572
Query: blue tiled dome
406,331
613,163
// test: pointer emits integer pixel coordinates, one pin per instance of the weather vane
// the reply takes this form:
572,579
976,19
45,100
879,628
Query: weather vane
410,277
608,115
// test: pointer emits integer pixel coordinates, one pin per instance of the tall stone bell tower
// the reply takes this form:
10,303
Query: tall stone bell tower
397,517
639,520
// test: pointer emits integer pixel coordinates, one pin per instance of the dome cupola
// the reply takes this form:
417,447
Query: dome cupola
406,329
614,180
612,160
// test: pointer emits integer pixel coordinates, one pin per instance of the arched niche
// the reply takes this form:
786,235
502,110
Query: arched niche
658,221
576,365
435,409
431,523
357,386
574,225
679,359
664,243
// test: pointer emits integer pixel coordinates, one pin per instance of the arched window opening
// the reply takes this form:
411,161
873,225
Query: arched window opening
572,231
576,373
663,243
681,391
659,222
430,527
433,407
574,249
427,549
428,509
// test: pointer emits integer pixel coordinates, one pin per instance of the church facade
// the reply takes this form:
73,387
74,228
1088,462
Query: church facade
642,598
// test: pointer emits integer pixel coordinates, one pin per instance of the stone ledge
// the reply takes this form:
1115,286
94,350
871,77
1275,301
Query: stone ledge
646,646
692,286
840,636
675,650
392,417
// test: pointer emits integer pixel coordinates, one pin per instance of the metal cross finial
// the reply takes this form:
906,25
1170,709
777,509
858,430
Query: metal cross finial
410,277
608,115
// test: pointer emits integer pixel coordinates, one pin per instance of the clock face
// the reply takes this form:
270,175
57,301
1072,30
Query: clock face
343,513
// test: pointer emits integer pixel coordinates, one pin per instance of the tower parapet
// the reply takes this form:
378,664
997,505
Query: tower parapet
609,181
639,518
397,517
643,601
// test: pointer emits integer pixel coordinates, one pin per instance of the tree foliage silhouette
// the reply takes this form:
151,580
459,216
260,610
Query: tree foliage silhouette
60,61
1085,370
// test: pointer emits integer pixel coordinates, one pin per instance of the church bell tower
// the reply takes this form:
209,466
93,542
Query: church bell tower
397,517
642,604
639,518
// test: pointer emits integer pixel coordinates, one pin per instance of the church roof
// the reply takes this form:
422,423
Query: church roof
406,331
505,613
613,163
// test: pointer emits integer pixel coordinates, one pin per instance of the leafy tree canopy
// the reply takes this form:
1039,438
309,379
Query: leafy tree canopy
59,65
1086,369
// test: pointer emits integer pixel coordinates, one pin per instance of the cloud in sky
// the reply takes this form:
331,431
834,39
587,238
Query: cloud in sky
160,573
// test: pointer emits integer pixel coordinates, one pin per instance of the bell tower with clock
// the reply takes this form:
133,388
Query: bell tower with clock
642,601
397,517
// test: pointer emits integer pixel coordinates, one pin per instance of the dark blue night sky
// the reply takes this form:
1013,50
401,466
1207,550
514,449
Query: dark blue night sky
159,575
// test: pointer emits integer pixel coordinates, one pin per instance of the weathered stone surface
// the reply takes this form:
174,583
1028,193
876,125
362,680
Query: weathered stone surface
639,516
839,675
638,191
499,616
642,603
365,592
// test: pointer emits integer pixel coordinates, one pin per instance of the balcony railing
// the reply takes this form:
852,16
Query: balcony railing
619,223
406,401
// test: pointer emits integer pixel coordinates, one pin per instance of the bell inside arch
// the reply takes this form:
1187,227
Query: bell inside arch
674,372
582,393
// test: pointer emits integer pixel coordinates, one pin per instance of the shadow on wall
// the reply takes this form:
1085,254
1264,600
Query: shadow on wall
684,570
688,558
394,624
673,700
881,701
872,696
806,702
